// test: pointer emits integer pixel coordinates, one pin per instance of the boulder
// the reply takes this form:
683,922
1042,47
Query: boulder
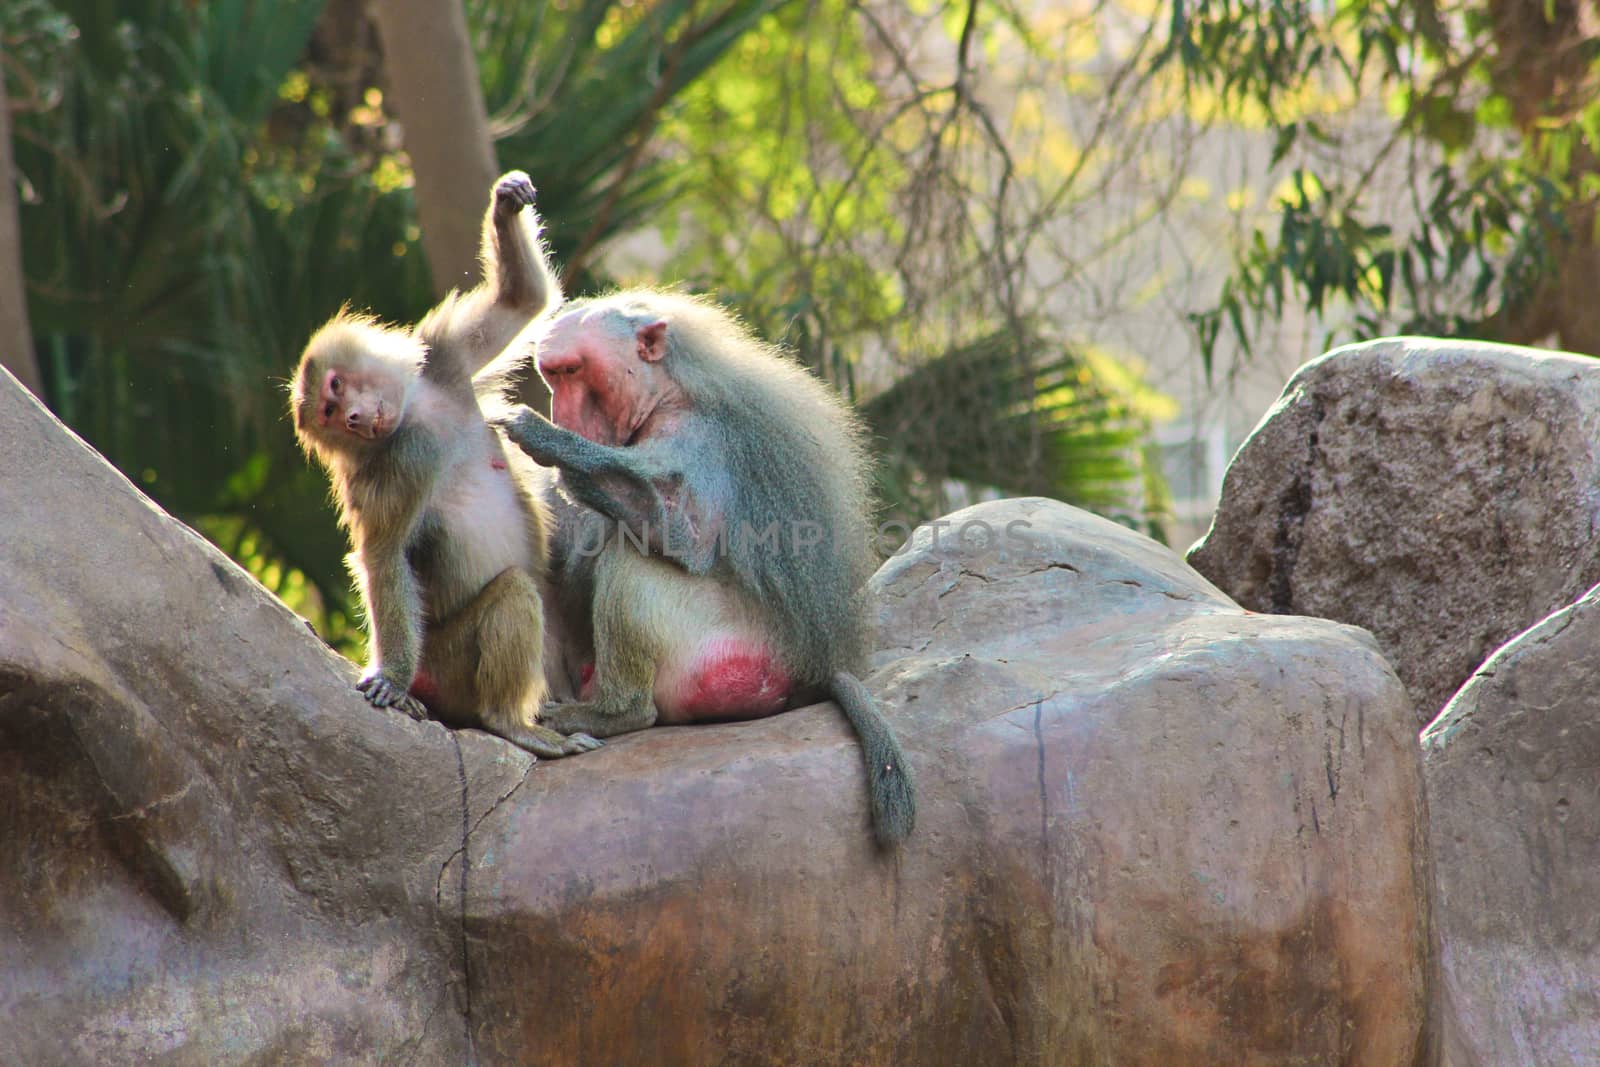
1154,828
1441,494
217,852
1513,776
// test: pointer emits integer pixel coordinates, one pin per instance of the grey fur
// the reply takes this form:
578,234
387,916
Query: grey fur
764,442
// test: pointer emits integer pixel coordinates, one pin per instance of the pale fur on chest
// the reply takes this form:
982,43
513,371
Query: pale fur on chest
485,527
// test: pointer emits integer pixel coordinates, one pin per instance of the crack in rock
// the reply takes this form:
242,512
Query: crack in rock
151,805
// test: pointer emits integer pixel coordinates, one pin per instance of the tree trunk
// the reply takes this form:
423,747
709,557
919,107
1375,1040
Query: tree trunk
432,78
1543,70
16,339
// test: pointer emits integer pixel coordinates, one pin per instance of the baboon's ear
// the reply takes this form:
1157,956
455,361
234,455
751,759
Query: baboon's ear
652,341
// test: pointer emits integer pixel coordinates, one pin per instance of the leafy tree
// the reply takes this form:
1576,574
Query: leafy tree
894,190
1464,207
576,94
203,184
206,183
180,240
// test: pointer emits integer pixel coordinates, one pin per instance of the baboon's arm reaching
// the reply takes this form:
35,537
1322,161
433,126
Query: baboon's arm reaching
518,285
656,503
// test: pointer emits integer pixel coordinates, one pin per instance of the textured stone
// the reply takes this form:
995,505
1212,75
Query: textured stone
215,850
1154,829
1441,494
1513,776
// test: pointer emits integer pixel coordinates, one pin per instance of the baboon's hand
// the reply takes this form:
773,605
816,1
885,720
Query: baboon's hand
508,418
383,693
543,741
531,432
576,743
513,192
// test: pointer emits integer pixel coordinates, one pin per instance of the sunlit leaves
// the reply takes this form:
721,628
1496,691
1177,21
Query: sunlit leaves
578,93
203,194
866,187
1453,220
772,136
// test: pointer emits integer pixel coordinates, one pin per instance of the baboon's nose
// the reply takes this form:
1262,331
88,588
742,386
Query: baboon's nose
556,363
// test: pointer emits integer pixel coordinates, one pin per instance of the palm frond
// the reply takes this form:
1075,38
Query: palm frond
1049,420
182,241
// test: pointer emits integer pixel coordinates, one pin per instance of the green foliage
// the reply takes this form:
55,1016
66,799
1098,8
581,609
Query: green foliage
854,196
1070,424
199,200
1482,184
576,92
178,254
782,133
201,191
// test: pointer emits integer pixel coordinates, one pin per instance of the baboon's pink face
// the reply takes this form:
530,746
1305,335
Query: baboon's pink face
353,404
337,404
348,394
606,379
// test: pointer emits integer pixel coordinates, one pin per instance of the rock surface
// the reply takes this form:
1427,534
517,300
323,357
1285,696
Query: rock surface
1154,829
1441,494
216,851
1513,774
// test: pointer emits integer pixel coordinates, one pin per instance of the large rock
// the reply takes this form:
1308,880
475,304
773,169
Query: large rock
1154,829
1441,494
1513,773
215,851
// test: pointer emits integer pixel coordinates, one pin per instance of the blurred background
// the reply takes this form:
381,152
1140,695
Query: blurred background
1062,247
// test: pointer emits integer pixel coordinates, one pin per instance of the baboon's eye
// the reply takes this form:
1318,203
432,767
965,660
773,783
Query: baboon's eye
335,384
328,409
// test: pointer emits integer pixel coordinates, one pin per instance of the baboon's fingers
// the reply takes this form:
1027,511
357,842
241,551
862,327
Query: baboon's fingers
542,741
514,190
507,417
412,707
382,693
531,432
582,743
595,719
379,693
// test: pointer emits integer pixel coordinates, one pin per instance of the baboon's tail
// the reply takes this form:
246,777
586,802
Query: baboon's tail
893,793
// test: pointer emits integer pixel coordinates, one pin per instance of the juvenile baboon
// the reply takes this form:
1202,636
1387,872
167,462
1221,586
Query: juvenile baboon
448,537
731,587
